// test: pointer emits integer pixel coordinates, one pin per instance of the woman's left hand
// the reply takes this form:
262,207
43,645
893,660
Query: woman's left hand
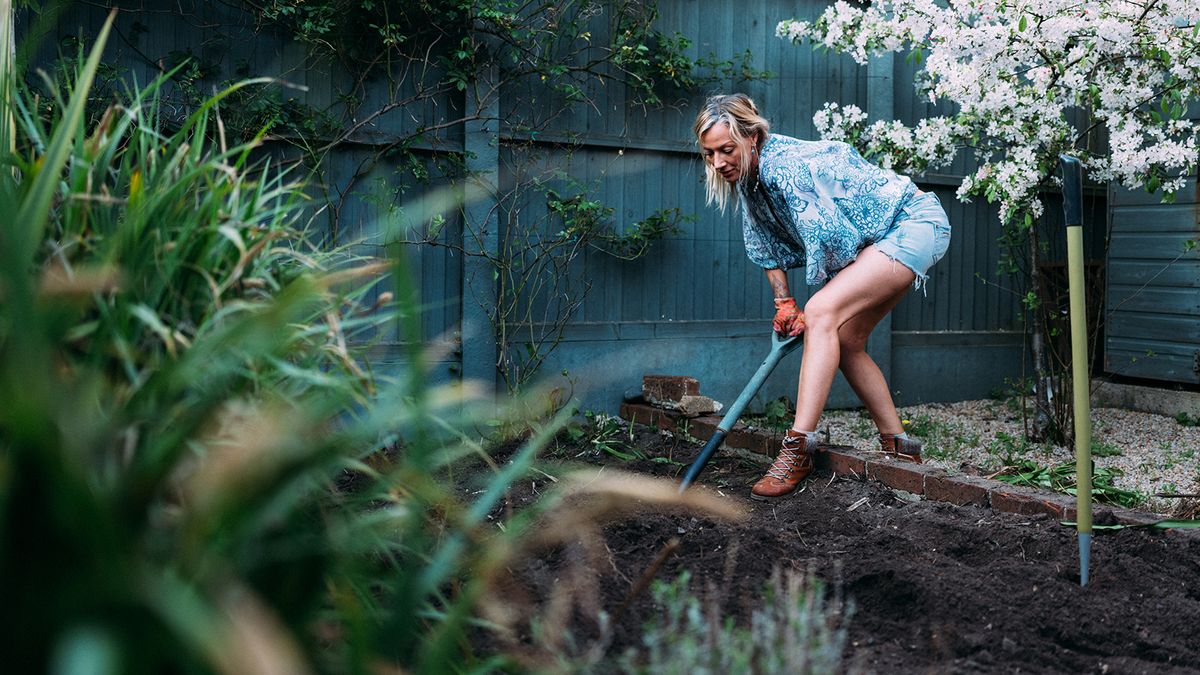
789,320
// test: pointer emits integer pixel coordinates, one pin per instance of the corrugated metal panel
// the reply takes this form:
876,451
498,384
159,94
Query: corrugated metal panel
1153,305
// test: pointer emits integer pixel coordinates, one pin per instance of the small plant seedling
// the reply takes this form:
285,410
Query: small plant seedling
1103,449
685,432
1187,420
923,426
864,426
605,436
795,621
778,413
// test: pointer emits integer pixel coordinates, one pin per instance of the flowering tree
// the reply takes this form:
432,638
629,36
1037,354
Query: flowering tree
1028,80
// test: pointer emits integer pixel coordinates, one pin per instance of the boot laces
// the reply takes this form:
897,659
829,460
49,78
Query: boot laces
783,465
788,460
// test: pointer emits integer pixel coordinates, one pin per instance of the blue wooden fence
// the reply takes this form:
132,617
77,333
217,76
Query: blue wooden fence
695,305
1153,299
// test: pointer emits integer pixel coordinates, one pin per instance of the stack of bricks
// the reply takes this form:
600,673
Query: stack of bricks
677,393
673,403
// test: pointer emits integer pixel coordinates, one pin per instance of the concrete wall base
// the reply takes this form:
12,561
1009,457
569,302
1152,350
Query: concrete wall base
1107,394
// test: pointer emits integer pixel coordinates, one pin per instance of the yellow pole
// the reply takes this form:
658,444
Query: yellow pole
1080,384
1080,379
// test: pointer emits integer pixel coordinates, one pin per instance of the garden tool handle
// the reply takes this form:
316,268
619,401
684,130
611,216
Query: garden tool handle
1072,187
781,346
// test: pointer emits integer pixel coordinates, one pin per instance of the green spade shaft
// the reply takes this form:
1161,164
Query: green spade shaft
1073,208
780,347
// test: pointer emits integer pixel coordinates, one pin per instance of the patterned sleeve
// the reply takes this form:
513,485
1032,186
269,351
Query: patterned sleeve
791,182
758,248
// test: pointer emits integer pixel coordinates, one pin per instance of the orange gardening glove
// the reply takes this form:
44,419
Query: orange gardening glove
789,320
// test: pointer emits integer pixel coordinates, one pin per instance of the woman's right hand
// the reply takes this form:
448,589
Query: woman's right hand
789,320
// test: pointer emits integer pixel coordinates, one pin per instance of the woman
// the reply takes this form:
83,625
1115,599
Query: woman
866,233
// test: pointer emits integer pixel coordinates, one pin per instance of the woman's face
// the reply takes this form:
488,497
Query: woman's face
722,152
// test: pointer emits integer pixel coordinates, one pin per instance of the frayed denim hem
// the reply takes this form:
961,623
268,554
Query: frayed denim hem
920,283
919,238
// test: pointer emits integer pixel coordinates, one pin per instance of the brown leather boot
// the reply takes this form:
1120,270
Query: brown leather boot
901,447
791,467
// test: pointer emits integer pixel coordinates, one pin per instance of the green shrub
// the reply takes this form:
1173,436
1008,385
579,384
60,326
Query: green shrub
793,630
170,234
191,477
1187,420
181,419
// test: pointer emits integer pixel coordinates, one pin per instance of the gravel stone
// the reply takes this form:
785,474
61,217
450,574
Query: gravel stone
1155,453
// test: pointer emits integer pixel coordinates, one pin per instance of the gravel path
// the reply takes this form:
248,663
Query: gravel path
1154,453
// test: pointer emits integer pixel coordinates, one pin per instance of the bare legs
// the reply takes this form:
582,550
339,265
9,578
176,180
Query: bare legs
839,318
865,378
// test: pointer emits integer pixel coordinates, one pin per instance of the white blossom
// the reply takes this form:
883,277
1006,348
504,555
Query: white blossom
839,123
1018,73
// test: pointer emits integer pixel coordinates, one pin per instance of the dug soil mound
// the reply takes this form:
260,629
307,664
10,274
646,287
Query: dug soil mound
935,587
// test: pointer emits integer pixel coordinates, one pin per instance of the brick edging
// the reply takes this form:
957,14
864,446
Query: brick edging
932,483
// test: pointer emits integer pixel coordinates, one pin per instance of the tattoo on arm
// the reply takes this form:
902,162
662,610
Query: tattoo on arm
777,278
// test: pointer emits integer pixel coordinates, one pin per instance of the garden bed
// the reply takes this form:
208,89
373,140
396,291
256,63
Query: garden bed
933,586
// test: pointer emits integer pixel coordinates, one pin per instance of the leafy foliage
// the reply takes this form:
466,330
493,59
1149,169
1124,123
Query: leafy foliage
1061,478
589,221
182,476
191,473
777,414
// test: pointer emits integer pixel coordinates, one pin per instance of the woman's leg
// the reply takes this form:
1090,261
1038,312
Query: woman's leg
867,288
863,373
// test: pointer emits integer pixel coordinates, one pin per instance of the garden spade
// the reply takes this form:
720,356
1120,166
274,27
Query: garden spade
780,347
1073,208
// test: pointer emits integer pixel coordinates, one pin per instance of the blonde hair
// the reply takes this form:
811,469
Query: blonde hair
741,115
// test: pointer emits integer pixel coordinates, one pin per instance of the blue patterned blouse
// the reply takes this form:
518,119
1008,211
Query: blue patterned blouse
817,204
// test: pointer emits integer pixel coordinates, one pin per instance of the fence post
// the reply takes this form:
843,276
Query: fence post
881,105
481,239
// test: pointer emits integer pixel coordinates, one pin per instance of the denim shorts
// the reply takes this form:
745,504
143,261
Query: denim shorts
919,236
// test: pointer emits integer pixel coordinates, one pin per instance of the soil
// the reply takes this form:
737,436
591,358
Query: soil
936,588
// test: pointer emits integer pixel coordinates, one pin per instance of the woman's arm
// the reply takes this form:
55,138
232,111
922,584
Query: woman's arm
777,278
789,320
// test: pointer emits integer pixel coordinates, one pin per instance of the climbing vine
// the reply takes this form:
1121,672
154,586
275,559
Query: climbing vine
403,79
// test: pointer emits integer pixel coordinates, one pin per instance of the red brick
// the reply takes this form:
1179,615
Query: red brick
1127,517
1065,505
842,462
901,475
669,388
958,490
640,413
749,440
1028,502
1069,511
755,457
701,427
773,442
